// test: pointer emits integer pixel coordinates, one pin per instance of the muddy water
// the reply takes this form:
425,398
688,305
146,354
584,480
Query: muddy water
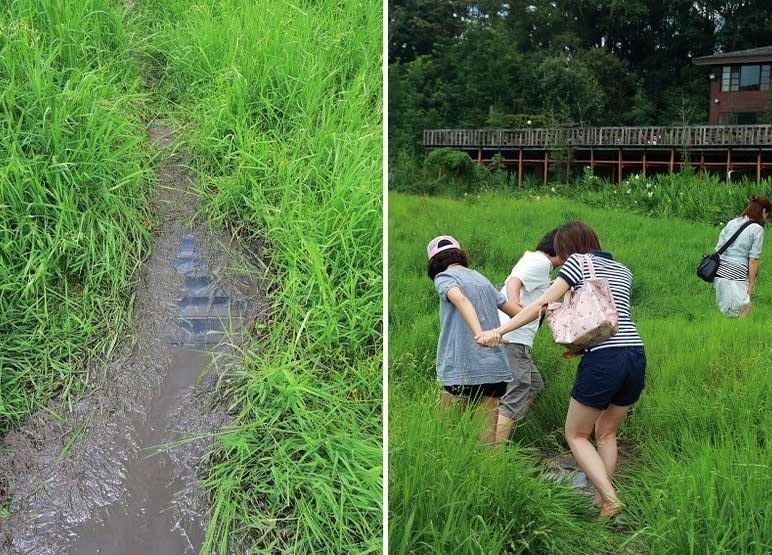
118,473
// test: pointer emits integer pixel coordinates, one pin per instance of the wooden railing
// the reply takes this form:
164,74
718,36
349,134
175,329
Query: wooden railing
696,136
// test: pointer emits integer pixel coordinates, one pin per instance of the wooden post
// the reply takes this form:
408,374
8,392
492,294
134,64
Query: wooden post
672,158
546,165
758,167
520,167
644,163
702,163
728,162
619,165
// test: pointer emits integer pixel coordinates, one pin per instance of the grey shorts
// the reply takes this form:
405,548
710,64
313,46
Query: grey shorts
525,385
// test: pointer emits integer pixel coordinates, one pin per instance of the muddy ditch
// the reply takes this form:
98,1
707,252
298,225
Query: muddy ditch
117,472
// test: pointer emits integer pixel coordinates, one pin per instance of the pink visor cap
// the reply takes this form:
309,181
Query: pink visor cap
434,245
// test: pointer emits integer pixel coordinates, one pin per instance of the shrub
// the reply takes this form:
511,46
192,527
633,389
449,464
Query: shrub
453,163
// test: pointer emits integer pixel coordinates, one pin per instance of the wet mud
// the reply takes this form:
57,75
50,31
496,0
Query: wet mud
561,466
118,472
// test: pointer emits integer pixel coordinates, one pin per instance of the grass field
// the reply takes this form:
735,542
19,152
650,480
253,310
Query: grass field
74,182
280,105
696,467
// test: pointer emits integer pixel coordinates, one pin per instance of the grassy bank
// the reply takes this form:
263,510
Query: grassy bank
74,179
696,469
684,194
281,104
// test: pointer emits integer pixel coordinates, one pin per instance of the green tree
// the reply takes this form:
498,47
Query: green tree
416,26
599,62
415,102
570,90
740,25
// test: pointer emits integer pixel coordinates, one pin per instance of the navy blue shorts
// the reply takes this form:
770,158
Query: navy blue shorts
475,392
610,376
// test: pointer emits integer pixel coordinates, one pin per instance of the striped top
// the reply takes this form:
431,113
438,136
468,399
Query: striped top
620,281
732,270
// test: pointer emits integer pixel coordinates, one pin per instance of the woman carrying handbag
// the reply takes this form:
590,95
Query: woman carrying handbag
610,377
739,262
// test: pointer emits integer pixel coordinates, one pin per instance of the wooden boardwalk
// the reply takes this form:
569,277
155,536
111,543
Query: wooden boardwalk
616,151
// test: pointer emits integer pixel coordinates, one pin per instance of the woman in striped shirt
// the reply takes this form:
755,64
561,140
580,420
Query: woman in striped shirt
740,261
610,377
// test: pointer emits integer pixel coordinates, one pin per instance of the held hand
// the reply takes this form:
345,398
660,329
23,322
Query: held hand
490,338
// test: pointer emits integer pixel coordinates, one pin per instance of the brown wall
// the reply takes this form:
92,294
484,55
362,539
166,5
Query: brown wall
732,102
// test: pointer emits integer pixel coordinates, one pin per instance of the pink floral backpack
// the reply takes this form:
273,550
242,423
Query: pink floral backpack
584,318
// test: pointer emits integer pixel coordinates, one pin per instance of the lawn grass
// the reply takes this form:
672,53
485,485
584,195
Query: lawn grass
696,470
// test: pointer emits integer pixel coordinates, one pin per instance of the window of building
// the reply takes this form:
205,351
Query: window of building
738,118
752,77
747,118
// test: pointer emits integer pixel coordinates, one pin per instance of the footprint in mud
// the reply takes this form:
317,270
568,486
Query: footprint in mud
207,312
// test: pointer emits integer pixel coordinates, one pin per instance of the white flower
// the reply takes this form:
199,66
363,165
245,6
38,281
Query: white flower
650,193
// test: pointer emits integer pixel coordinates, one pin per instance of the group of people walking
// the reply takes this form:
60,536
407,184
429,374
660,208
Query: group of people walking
486,336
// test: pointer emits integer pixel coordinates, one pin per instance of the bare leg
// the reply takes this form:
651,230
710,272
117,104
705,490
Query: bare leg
449,401
606,427
580,422
504,426
488,407
744,312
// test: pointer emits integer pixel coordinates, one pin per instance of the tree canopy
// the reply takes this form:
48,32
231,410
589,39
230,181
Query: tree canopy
563,62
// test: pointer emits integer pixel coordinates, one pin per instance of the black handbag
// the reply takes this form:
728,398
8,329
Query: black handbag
708,266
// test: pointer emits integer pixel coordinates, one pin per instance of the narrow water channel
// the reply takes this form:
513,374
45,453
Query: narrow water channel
119,473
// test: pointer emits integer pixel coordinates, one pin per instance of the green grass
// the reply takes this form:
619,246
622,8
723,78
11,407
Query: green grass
448,494
282,109
280,106
74,180
698,478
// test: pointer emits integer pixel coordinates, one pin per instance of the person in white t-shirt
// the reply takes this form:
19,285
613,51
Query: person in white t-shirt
529,278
